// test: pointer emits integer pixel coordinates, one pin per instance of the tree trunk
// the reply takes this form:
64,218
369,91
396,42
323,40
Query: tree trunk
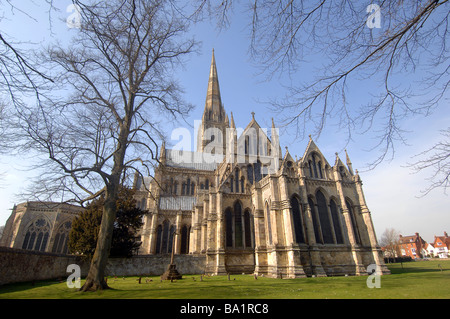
96,276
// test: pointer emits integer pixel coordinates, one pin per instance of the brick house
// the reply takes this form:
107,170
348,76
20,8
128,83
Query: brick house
411,246
441,246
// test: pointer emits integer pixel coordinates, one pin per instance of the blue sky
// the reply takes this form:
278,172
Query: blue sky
391,190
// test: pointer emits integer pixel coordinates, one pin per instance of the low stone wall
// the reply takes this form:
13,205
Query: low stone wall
18,265
154,265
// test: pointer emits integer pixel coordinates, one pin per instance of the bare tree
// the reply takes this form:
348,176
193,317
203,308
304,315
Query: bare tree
19,74
113,92
390,241
4,138
405,59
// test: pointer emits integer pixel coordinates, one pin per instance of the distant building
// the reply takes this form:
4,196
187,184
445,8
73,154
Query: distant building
441,246
411,246
429,250
40,226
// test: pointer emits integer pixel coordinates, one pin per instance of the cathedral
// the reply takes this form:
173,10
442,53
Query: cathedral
250,208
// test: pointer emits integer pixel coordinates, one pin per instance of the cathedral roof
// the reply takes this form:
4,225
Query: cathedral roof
177,202
192,160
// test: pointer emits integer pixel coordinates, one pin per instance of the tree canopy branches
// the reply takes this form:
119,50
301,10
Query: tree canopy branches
400,64
103,115
113,78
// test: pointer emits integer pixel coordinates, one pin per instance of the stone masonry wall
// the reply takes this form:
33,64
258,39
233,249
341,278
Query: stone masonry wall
18,265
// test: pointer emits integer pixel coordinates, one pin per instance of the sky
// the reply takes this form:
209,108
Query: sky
392,190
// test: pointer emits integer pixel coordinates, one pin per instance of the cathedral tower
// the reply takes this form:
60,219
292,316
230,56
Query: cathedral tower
212,131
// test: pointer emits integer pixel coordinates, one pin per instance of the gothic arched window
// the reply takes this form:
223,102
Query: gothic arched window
238,242
246,144
37,234
257,168
185,231
238,231
297,218
324,218
315,221
336,222
314,166
269,226
353,221
175,186
188,186
61,238
165,237
250,174
158,239
320,169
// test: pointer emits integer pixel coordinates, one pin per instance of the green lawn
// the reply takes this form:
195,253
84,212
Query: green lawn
422,279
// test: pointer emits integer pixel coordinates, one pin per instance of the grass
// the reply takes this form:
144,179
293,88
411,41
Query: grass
421,279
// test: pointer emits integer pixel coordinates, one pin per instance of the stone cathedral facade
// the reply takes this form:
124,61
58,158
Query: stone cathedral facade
251,208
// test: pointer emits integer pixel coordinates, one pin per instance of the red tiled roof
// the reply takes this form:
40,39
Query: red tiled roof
444,239
411,239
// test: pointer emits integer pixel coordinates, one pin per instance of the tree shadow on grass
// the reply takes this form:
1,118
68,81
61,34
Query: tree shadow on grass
25,286
411,268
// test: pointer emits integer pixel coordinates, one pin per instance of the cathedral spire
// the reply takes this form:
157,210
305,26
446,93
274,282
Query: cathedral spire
232,125
214,116
214,110
349,163
275,141
162,156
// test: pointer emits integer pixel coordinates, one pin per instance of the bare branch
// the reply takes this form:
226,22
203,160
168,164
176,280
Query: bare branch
436,161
